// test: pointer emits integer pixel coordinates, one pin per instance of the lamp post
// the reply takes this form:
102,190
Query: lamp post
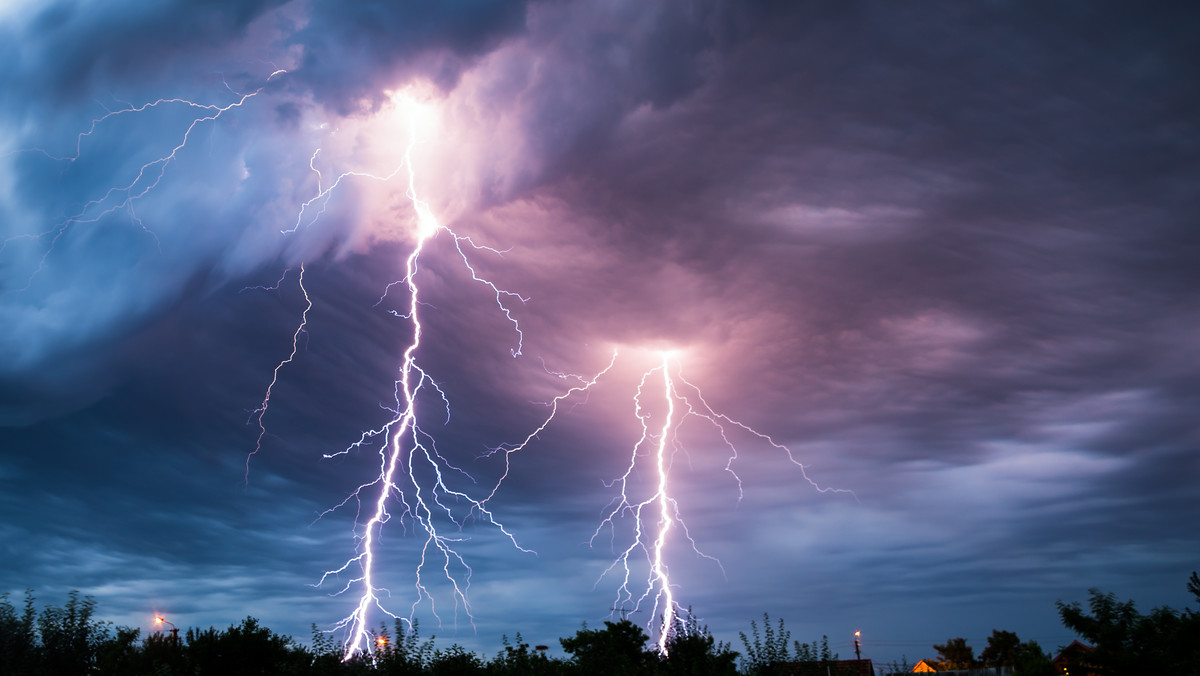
857,654
159,619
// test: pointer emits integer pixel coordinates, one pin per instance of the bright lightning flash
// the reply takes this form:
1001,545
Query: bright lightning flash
655,513
412,473
413,479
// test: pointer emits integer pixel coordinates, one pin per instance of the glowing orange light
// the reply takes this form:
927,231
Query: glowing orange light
158,620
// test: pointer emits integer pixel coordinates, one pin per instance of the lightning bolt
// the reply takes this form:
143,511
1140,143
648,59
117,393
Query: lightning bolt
655,514
412,474
508,449
257,414
415,482
413,477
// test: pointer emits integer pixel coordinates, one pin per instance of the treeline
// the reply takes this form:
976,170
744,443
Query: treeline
69,641
1117,641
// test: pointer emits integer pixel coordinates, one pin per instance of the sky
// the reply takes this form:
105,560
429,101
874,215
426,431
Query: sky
944,253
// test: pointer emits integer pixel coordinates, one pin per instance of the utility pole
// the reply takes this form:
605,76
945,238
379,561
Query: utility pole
857,653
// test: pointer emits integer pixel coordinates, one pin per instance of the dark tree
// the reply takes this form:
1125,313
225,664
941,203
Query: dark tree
766,650
119,654
1001,649
19,650
405,655
161,654
1031,660
326,655
955,654
455,661
64,640
1125,641
814,652
617,650
70,639
247,649
692,651
518,660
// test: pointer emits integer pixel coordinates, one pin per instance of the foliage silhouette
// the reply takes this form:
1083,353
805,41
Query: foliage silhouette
619,649
955,654
1001,649
811,652
69,641
247,649
59,640
18,640
517,660
405,654
767,652
1125,641
1031,660
692,651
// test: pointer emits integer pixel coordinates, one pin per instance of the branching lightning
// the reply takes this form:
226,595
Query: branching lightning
145,180
412,479
509,449
415,481
655,514
257,414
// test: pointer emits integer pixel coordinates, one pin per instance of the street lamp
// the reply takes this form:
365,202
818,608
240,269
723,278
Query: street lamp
159,619
857,654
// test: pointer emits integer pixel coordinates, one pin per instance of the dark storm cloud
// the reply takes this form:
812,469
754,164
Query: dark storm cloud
1021,243
352,52
975,219
66,51
946,252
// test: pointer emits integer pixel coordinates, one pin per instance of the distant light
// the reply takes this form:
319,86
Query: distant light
158,620
382,640
857,633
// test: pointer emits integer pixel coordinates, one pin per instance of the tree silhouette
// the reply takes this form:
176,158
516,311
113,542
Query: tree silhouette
617,650
955,654
517,660
766,650
1031,660
18,640
692,651
1125,641
1001,649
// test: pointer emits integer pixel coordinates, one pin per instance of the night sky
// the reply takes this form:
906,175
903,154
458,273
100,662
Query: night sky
945,252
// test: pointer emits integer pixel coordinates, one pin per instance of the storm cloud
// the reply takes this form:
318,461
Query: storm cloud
944,252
